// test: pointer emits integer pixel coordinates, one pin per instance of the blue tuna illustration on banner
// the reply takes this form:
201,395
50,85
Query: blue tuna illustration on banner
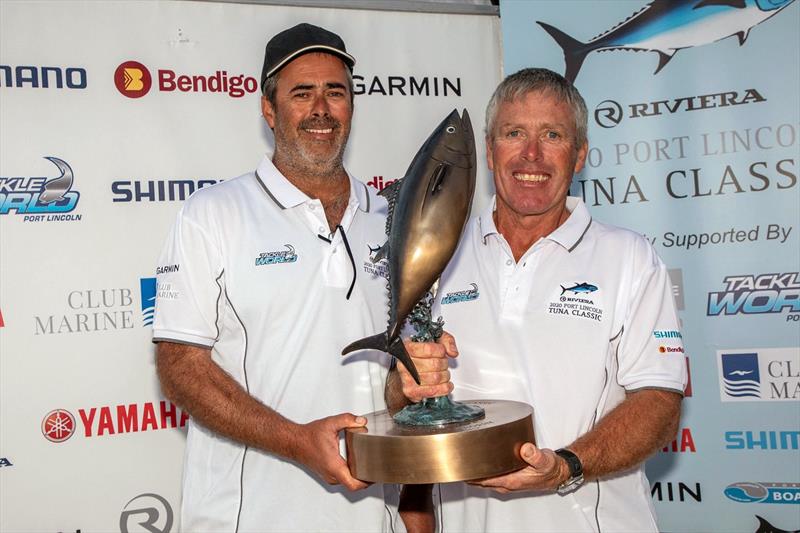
666,26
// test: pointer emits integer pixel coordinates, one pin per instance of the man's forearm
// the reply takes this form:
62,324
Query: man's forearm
192,380
644,422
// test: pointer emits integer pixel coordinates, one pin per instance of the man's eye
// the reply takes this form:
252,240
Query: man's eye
514,133
301,95
553,135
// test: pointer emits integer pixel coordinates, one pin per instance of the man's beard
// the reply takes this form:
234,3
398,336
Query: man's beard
309,155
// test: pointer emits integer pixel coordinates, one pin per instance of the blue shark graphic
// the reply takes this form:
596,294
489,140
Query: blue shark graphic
579,288
666,26
148,288
740,375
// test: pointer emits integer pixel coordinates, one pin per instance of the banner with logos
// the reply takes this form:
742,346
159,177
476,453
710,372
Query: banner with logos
694,128
111,114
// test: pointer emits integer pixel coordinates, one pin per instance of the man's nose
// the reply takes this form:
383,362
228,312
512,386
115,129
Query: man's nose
320,106
532,150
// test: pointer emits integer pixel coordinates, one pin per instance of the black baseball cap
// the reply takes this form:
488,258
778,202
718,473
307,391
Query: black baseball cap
301,39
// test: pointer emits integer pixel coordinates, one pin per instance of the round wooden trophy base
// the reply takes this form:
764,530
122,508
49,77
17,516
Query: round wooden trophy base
388,452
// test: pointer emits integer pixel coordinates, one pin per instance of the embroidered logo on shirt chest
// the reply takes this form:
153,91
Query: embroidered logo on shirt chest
461,296
278,256
577,299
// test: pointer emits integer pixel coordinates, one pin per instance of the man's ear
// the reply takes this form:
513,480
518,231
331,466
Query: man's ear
268,111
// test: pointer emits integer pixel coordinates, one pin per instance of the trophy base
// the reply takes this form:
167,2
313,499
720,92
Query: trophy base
388,452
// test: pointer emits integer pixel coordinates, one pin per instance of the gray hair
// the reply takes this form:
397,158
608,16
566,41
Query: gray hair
529,80
271,86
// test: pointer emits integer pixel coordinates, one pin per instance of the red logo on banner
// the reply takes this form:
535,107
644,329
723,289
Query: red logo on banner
58,425
133,79
2,324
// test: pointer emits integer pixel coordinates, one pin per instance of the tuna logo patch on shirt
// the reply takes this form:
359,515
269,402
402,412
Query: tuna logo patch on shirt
379,267
461,296
577,299
278,256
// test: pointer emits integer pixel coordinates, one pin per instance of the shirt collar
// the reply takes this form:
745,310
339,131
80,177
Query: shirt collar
286,195
569,234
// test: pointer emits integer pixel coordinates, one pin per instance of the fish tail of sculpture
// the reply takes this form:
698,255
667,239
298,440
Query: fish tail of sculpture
574,50
398,350
378,342
375,342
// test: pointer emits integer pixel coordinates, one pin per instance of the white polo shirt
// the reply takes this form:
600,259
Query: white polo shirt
245,273
585,315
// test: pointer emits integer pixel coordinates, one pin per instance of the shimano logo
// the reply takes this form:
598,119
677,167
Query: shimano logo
43,77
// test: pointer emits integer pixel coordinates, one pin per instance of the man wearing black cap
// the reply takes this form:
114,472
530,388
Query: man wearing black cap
265,278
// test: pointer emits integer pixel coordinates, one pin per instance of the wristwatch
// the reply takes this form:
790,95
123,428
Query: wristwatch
575,479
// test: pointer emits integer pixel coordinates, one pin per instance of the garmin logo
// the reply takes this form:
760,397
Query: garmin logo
609,113
406,86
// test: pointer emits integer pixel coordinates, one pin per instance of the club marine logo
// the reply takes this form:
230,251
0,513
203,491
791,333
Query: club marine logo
148,289
133,79
763,492
148,511
38,198
58,425
764,374
740,376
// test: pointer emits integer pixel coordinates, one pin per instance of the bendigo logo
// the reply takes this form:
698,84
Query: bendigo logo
133,79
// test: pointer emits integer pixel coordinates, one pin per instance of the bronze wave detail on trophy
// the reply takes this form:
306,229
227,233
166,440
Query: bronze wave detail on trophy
428,209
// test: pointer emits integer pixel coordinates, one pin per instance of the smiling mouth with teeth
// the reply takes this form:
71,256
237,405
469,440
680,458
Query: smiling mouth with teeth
327,130
530,177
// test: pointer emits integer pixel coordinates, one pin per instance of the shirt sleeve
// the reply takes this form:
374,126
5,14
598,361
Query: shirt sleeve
189,285
650,352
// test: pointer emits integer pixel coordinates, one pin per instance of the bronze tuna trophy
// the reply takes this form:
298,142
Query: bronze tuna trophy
428,210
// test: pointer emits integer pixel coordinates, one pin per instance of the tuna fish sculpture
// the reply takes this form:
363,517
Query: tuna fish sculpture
428,210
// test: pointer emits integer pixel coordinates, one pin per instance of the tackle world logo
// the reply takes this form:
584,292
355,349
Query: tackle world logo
148,289
149,512
580,305
39,198
668,27
461,296
763,492
133,79
58,425
752,294
282,256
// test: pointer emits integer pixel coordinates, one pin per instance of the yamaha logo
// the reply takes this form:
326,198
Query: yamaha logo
133,79
58,425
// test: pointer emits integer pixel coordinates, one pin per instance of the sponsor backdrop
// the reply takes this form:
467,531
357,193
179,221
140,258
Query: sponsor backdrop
111,114
694,133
